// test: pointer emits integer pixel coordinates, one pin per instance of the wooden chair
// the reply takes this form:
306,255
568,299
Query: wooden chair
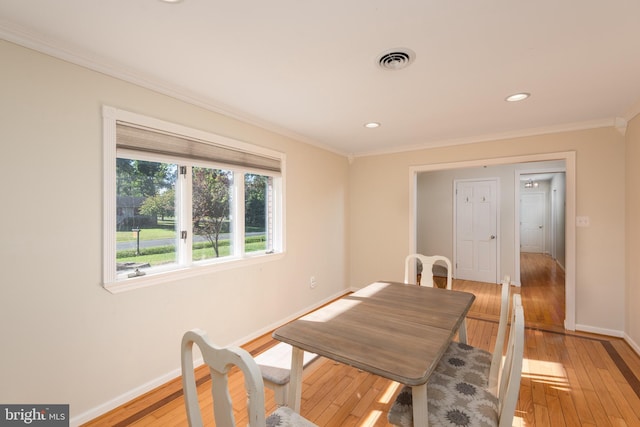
476,365
455,402
511,372
220,361
425,266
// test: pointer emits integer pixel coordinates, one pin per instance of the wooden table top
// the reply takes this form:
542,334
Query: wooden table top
390,329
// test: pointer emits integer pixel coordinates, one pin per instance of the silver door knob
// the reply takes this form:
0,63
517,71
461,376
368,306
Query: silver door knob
493,237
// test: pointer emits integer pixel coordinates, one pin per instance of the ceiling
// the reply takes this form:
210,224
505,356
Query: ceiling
309,69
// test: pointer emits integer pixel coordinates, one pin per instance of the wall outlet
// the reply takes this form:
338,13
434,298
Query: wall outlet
312,282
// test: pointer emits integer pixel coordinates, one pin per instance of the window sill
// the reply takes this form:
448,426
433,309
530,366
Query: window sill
129,284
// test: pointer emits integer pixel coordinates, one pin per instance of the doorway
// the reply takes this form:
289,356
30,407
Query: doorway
542,239
509,226
541,212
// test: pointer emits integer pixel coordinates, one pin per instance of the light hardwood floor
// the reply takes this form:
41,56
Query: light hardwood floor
569,379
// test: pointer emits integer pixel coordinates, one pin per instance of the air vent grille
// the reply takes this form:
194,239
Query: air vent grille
396,59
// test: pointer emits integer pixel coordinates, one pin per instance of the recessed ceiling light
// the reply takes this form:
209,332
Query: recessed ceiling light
517,97
372,125
171,1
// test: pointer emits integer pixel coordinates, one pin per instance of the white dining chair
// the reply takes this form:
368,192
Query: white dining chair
476,365
455,402
220,361
424,268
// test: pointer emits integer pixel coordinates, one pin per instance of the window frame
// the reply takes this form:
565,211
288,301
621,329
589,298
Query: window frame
186,266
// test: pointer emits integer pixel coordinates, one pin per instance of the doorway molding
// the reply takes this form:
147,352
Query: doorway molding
569,158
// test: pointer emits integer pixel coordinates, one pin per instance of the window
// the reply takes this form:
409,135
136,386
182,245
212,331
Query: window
179,201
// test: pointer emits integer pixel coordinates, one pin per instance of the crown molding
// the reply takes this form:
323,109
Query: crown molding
74,54
566,127
78,56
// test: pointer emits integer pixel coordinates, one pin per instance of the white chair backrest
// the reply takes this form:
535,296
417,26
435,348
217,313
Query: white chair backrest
512,368
496,360
427,268
220,361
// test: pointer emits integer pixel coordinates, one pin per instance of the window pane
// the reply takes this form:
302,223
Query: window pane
257,212
212,231
145,215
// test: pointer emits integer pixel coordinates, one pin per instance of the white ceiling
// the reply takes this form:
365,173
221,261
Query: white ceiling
308,68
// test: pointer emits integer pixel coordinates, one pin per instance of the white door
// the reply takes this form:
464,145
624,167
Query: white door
532,208
476,223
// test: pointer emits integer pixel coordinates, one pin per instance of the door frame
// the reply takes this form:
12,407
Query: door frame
569,158
495,180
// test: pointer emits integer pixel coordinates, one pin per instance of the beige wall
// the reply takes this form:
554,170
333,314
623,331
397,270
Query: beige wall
379,224
633,232
67,340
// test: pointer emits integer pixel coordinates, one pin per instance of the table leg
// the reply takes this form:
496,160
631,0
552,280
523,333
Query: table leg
420,406
462,332
295,379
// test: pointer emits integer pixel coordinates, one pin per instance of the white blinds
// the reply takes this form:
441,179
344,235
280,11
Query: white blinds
141,138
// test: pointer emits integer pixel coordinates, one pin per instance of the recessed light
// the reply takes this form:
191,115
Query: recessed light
171,1
517,97
372,125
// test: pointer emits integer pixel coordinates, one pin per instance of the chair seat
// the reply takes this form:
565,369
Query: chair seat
275,363
451,403
466,363
286,417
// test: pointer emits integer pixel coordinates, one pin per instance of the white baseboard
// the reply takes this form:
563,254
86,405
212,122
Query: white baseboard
632,344
600,331
163,379
123,398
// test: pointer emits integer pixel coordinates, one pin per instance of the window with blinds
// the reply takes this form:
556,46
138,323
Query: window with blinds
180,201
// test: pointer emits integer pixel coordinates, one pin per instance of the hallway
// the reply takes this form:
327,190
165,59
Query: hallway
543,291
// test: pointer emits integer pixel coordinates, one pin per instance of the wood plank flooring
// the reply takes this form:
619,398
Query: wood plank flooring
569,379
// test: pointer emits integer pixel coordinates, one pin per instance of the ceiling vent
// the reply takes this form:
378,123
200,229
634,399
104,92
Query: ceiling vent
396,59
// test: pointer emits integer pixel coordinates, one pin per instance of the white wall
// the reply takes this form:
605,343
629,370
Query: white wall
379,224
67,340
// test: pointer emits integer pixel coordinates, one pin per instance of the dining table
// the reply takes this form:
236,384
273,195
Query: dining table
394,330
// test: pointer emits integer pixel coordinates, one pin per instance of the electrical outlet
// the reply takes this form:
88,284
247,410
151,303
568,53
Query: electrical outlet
312,282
